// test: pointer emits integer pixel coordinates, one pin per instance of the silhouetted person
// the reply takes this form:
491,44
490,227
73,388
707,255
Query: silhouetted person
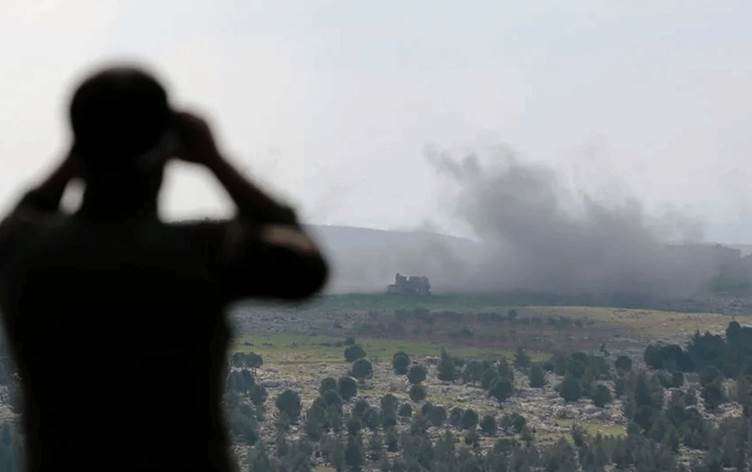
116,319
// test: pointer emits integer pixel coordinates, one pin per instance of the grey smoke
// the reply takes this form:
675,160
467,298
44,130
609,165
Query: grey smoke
539,236
532,234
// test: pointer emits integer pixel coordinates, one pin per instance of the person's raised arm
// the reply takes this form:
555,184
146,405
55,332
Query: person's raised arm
197,145
46,195
267,253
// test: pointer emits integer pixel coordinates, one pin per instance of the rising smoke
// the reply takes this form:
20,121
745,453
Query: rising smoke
537,235
532,234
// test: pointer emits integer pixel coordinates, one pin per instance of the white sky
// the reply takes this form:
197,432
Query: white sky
333,103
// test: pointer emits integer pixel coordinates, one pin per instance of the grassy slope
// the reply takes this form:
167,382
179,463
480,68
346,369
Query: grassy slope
644,322
291,349
312,357
652,323
365,302
281,349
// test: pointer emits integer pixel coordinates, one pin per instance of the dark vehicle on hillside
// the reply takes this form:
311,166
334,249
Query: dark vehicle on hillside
409,285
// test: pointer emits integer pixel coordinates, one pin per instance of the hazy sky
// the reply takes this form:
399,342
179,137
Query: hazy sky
334,103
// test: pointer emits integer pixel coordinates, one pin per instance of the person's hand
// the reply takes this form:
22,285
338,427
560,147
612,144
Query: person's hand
195,140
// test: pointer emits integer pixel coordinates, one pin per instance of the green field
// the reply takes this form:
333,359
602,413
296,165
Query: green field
593,428
650,323
365,302
655,321
301,344
281,349
313,332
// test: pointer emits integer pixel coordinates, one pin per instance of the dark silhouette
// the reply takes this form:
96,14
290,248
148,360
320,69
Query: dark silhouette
116,319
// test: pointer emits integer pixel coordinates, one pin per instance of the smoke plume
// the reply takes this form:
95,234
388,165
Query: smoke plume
537,235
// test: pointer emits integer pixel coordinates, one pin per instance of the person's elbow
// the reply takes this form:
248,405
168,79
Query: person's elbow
306,268
308,279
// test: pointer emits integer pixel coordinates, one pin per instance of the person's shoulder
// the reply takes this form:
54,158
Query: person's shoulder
27,218
24,226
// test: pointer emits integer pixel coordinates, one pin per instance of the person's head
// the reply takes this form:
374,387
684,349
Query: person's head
120,117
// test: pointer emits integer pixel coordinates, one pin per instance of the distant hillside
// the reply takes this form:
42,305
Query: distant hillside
365,260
